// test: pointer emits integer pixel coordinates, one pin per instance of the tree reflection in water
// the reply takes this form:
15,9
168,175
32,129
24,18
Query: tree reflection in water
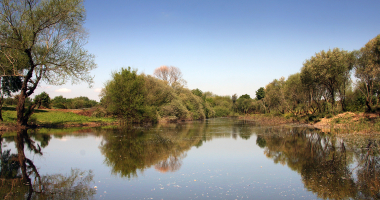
19,178
325,163
130,150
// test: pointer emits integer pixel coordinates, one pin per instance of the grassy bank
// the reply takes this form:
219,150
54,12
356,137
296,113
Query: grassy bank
55,118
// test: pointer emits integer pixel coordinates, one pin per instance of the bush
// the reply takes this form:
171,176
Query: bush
99,112
221,111
43,99
59,106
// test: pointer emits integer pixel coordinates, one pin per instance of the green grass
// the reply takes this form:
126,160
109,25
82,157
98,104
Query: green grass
46,117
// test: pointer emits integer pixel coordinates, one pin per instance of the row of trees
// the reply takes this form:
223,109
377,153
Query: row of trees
143,98
324,85
43,100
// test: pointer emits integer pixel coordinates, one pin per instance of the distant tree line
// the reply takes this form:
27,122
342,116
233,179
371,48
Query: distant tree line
43,100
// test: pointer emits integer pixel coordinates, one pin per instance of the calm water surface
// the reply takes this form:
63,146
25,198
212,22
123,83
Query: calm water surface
212,159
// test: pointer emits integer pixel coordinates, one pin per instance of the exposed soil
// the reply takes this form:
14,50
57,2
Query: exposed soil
346,120
347,117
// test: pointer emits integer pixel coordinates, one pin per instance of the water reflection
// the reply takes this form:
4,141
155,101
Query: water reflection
129,150
20,178
326,166
329,166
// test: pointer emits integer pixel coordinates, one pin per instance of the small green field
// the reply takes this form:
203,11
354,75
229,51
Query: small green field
53,118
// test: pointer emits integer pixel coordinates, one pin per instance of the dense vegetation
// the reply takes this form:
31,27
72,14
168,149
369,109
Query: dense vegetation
143,98
59,102
323,87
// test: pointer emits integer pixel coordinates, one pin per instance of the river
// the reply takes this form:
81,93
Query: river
212,159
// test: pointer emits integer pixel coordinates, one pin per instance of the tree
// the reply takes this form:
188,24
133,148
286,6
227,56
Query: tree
274,95
43,40
197,92
42,99
295,94
59,102
245,96
125,95
331,70
367,69
234,98
260,93
172,75
244,104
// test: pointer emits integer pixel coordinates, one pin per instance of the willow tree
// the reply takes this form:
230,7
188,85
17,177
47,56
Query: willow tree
367,69
43,40
330,71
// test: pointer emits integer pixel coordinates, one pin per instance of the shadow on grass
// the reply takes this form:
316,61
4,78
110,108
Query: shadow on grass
40,111
9,109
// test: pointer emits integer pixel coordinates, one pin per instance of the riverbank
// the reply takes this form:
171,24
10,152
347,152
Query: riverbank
55,118
349,122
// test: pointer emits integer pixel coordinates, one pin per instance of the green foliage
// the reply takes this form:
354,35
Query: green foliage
10,84
367,70
221,105
99,112
10,101
125,95
197,92
221,111
244,104
245,96
193,104
275,96
260,93
59,102
329,71
43,99
45,40
356,101
81,102
75,103
143,98
175,109
261,142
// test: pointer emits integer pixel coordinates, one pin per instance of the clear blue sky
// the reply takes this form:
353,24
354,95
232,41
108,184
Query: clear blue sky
221,46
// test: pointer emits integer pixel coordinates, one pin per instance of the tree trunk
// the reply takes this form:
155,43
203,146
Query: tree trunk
367,103
21,154
21,120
